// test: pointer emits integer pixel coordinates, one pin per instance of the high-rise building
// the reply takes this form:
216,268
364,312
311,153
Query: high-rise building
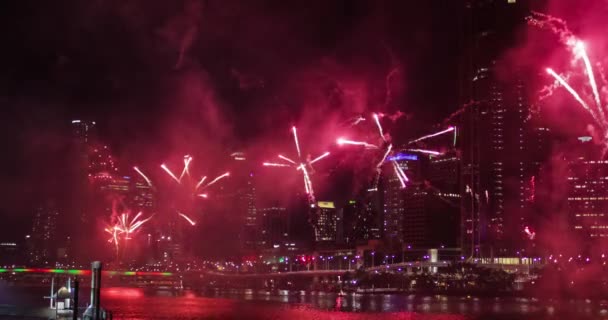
83,131
141,196
78,210
251,239
497,165
11,253
101,163
444,185
326,223
42,241
588,199
395,198
275,227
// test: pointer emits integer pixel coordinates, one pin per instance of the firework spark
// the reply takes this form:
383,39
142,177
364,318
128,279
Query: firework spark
580,48
123,227
592,103
168,171
200,182
192,222
450,129
573,92
300,165
531,235
187,160
272,164
342,141
319,158
217,179
377,121
398,173
295,138
431,152
287,159
143,176
386,146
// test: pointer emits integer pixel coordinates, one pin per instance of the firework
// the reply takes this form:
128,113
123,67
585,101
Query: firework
192,222
342,141
377,121
287,159
400,174
531,235
592,103
123,227
319,157
450,129
431,152
386,146
143,176
301,165
170,173
190,185
187,160
295,138
217,179
272,164
200,182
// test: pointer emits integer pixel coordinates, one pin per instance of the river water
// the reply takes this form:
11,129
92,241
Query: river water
136,304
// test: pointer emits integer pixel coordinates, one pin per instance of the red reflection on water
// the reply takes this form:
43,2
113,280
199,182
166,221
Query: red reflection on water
124,293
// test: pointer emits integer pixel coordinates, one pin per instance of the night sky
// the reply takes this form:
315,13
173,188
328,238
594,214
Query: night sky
165,78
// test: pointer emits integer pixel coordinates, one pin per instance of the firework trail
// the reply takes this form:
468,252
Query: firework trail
591,104
187,160
272,164
295,138
389,148
168,171
574,94
217,179
192,222
143,176
377,121
200,182
399,173
431,152
342,141
450,129
301,165
287,159
357,120
318,158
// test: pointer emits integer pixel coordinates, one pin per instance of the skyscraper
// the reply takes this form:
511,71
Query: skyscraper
251,232
275,227
497,165
326,223
42,243
588,199
395,196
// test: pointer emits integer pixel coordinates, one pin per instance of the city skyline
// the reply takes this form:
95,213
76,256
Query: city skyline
232,116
